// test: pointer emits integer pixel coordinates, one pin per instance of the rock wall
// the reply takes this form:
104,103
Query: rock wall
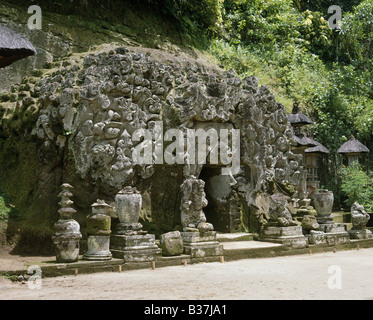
78,119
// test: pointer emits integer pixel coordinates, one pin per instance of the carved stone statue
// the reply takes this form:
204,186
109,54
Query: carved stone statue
359,216
192,203
281,228
278,212
359,219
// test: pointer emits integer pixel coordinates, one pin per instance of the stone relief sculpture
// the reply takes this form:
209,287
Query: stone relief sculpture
192,203
92,108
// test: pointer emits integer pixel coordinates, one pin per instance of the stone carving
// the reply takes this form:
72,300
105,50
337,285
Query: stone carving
67,231
172,243
309,223
323,201
279,213
359,218
128,204
192,203
89,111
335,233
280,227
98,230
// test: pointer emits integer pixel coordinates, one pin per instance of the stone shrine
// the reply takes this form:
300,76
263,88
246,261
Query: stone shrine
67,231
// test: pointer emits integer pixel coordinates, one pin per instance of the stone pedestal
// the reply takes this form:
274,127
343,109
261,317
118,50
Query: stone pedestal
98,248
291,236
66,249
135,248
360,234
335,233
98,229
316,237
201,244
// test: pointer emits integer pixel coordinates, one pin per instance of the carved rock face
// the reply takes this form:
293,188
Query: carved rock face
92,109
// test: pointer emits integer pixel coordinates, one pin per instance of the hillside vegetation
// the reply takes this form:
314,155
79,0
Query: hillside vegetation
290,46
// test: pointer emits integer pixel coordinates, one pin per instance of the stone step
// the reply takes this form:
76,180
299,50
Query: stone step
239,236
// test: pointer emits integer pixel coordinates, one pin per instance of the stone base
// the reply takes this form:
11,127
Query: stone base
360,234
200,245
336,238
332,227
328,239
317,238
98,248
135,248
67,250
289,236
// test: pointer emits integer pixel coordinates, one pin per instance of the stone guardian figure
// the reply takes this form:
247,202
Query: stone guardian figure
359,219
192,203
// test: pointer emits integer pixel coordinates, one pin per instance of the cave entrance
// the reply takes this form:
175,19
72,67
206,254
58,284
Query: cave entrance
222,210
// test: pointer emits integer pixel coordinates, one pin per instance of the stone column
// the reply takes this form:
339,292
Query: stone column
67,231
98,230
131,243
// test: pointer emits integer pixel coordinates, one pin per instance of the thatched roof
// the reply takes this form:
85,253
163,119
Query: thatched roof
13,47
319,148
303,141
353,146
296,118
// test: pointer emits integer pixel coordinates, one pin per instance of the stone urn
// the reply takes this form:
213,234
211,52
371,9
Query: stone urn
128,202
323,200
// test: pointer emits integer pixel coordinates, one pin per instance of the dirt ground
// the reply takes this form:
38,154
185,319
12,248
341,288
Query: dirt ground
10,261
332,276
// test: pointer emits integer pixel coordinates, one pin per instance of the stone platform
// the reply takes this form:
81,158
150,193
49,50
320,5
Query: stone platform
291,236
232,250
200,245
135,248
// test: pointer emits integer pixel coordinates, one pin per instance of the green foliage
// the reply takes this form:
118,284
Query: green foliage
323,5
4,209
260,22
357,34
357,185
